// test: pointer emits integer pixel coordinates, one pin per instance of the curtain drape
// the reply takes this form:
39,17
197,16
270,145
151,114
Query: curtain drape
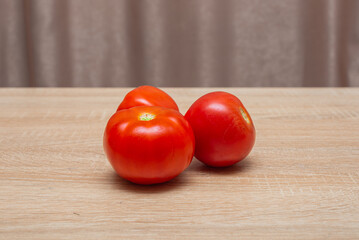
228,43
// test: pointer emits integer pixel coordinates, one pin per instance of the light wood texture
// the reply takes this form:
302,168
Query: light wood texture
301,180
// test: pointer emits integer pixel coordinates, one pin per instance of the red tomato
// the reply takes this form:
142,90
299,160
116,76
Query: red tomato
223,129
147,96
148,145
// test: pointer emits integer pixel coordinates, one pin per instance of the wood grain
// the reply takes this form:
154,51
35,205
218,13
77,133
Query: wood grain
301,180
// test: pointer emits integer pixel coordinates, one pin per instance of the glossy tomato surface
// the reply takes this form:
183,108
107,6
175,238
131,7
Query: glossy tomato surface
223,129
148,145
147,96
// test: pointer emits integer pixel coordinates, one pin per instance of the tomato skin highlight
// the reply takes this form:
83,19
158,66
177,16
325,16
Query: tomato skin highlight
148,145
223,129
147,96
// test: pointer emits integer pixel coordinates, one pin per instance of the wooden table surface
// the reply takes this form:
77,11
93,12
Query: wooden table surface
301,181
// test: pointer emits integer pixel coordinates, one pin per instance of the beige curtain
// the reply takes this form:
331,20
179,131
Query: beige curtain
179,43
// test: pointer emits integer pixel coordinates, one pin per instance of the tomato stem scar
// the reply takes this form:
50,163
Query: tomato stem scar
146,117
245,115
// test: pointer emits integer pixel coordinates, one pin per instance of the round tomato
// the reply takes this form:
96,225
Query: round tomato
147,96
148,145
223,129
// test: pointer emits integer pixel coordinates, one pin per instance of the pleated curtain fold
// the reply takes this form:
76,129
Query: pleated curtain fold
175,43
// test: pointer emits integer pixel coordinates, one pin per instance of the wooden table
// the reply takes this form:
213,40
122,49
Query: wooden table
301,180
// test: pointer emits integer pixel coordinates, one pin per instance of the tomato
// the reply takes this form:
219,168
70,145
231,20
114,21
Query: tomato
148,145
223,129
147,96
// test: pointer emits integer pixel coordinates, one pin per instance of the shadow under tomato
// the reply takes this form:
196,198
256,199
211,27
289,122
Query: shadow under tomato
125,185
242,166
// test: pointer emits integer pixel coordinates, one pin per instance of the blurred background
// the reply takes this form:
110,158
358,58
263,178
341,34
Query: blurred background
179,43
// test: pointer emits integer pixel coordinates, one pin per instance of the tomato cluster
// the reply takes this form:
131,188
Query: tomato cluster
149,141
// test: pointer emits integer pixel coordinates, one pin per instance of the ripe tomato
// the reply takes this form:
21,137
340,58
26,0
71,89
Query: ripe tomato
147,96
148,145
223,129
